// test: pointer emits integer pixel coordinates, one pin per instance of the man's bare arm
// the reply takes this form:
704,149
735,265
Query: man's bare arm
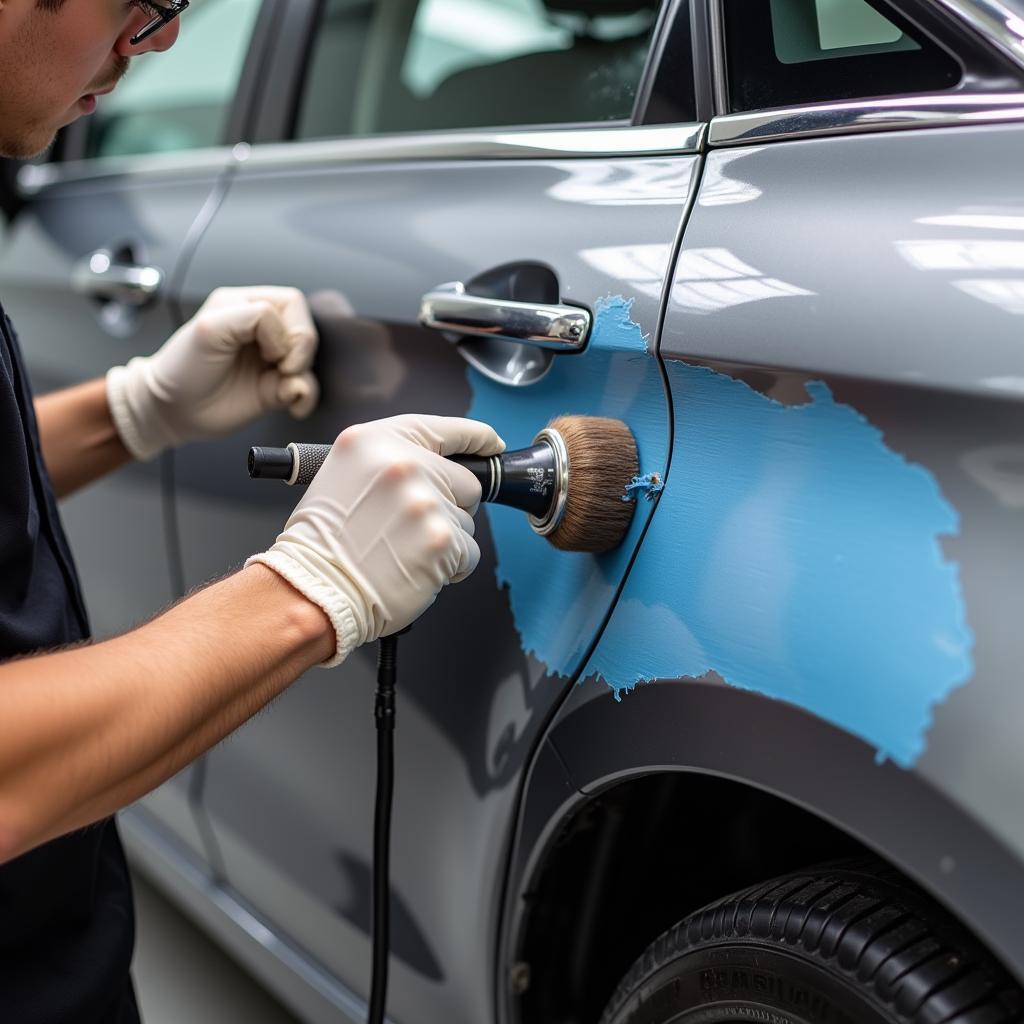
88,730
80,442
383,527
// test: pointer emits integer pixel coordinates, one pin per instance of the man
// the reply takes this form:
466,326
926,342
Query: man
89,728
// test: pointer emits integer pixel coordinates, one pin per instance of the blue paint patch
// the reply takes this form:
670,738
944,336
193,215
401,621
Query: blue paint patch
559,598
796,555
649,485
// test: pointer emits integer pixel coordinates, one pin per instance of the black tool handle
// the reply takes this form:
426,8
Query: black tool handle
525,478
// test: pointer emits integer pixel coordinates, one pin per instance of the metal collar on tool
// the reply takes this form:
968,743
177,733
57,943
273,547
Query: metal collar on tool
548,522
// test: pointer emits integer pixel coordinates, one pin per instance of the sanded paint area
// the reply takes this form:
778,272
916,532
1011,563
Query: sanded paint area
795,554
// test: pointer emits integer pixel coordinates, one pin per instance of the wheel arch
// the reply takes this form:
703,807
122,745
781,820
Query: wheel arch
605,853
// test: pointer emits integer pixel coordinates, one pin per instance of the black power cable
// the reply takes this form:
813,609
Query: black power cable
384,714
280,465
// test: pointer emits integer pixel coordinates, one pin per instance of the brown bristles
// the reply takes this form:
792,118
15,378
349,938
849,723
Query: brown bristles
602,461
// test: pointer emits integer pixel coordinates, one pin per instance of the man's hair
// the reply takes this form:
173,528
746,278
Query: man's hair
50,5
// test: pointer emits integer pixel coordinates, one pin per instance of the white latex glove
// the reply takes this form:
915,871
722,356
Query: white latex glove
385,524
246,352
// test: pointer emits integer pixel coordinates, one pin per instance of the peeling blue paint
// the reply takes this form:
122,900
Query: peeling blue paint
795,554
792,552
560,598
649,485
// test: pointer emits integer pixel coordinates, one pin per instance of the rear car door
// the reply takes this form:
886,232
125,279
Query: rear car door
853,271
851,284
506,146
86,271
843,513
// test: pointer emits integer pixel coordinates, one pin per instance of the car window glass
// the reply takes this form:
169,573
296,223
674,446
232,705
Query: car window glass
178,99
409,65
781,52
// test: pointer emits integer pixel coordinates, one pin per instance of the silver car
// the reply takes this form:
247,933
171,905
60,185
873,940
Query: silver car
761,762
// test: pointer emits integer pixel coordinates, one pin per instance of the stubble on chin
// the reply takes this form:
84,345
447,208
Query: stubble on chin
35,141
26,147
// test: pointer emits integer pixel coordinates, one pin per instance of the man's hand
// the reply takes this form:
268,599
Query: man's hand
246,352
385,524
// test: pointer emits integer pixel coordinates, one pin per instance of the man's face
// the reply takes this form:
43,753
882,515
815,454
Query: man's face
52,62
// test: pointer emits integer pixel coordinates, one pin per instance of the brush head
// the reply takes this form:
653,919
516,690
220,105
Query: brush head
602,460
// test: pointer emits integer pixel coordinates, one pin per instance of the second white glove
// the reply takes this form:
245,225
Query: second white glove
246,352
385,524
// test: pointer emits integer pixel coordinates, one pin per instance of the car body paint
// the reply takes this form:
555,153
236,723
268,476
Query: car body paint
890,259
794,553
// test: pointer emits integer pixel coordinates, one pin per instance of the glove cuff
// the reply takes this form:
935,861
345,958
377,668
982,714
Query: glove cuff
336,606
126,397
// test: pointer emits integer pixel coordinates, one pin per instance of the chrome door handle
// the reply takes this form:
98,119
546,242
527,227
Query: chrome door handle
449,307
102,276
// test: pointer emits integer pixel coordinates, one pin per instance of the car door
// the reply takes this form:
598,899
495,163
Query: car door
86,270
852,270
850,283
503,146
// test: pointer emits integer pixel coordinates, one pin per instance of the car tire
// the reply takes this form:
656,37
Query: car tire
843,943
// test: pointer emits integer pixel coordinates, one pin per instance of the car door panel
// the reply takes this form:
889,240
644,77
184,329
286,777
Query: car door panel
913,322
842,512
291,796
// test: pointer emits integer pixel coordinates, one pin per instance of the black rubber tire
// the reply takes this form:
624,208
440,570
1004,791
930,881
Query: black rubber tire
845,943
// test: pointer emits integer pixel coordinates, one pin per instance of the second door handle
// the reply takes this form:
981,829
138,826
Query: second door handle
103,276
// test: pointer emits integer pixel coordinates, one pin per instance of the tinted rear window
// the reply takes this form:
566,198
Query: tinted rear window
786,52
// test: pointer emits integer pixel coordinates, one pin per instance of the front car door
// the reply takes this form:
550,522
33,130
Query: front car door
366,210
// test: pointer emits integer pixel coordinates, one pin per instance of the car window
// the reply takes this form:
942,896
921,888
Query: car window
408,65
784,52
178,99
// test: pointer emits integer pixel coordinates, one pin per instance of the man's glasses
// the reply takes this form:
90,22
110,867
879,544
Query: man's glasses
163,14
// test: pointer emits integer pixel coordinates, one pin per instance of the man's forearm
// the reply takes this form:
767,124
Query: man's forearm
88,730
80,442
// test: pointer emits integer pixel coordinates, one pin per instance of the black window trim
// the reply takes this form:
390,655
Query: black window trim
673,34
977,100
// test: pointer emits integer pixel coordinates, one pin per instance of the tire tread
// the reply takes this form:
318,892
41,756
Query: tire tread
862,919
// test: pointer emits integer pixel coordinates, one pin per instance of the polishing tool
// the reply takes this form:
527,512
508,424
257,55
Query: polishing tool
571,481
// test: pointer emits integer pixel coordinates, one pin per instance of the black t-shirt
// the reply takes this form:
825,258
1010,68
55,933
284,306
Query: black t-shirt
66,917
